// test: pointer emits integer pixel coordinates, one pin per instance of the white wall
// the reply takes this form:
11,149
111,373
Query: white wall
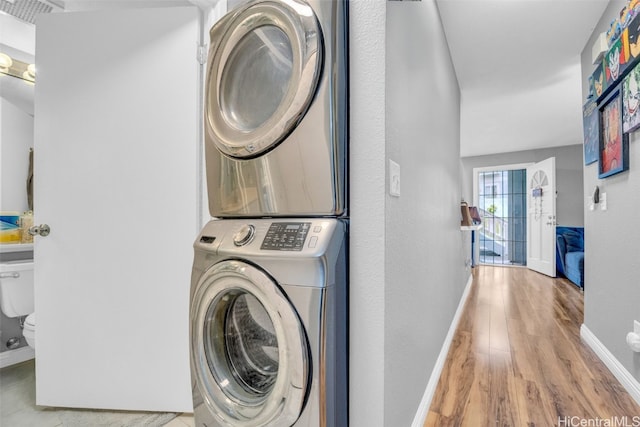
19,36
569,180
612,265
367,206
16,137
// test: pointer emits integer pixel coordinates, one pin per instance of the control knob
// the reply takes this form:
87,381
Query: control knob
244,235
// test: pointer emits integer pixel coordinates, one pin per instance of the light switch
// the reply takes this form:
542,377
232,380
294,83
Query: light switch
394,178
603,201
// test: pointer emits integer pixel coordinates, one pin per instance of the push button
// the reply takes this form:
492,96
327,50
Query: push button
313,241
317,229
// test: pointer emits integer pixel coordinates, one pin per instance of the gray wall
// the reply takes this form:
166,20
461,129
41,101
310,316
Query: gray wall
407,270
612,265
424,267
569,182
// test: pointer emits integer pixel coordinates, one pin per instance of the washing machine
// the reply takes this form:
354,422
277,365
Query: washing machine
268,323
276,110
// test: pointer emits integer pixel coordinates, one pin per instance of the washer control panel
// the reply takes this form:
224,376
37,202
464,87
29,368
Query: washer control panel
286,236
271,237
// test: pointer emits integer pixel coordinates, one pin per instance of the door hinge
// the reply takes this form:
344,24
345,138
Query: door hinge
202,54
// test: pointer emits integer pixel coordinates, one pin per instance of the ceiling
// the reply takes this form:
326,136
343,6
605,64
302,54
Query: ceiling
518,67
517,64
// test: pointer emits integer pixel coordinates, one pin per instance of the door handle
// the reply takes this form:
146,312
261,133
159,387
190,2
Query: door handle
42,230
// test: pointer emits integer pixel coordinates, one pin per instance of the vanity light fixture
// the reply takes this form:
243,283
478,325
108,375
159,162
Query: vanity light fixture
30,74
5,62
13,67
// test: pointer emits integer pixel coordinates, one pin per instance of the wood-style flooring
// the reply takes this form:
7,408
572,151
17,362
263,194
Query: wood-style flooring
517,359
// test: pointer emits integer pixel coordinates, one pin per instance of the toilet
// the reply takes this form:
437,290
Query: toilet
29,331
16,294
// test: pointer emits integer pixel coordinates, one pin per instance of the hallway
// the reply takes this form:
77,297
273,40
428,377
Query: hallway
517,359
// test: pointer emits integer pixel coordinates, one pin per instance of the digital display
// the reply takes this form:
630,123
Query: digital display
286,236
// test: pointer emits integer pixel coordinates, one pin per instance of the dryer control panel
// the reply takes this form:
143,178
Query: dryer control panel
286,236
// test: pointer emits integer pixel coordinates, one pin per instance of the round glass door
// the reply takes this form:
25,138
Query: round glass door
263,69
248,347
240,343
256,78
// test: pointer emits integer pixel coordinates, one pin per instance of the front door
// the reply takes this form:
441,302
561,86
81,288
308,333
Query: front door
541,217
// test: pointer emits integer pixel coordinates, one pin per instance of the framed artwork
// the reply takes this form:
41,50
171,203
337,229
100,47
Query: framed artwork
613,146
598,80
631,101
633,37
615,61
590,127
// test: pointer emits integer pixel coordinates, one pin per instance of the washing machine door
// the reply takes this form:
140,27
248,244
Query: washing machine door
250,356
263,69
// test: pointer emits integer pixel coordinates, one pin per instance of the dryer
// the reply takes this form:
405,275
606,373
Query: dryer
276,110
268,323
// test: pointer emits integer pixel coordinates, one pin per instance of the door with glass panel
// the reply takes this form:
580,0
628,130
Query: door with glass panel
501,199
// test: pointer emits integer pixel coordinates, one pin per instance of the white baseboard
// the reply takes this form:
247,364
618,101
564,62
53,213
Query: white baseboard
626,379
11,357
425,403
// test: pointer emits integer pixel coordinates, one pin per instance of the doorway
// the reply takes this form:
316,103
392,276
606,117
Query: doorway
501,196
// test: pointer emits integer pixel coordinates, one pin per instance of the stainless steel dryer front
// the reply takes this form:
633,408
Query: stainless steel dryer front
276,110
268,323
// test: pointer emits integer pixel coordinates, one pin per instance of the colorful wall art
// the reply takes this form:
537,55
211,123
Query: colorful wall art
615,61
591,128
631,101
613,146
598,80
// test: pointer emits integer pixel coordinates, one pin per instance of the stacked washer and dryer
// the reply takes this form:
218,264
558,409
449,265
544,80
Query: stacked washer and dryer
269,297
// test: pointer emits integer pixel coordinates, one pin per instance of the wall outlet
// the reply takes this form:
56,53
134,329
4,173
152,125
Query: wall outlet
636,327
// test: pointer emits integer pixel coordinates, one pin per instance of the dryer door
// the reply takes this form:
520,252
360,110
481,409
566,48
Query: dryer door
250,356
262,72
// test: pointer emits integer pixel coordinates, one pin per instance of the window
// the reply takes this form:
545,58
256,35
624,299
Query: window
501,200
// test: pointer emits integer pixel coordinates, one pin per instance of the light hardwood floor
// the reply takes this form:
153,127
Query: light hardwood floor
517,359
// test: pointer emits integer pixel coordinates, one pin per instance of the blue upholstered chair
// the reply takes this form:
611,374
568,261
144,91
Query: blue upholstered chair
570,253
